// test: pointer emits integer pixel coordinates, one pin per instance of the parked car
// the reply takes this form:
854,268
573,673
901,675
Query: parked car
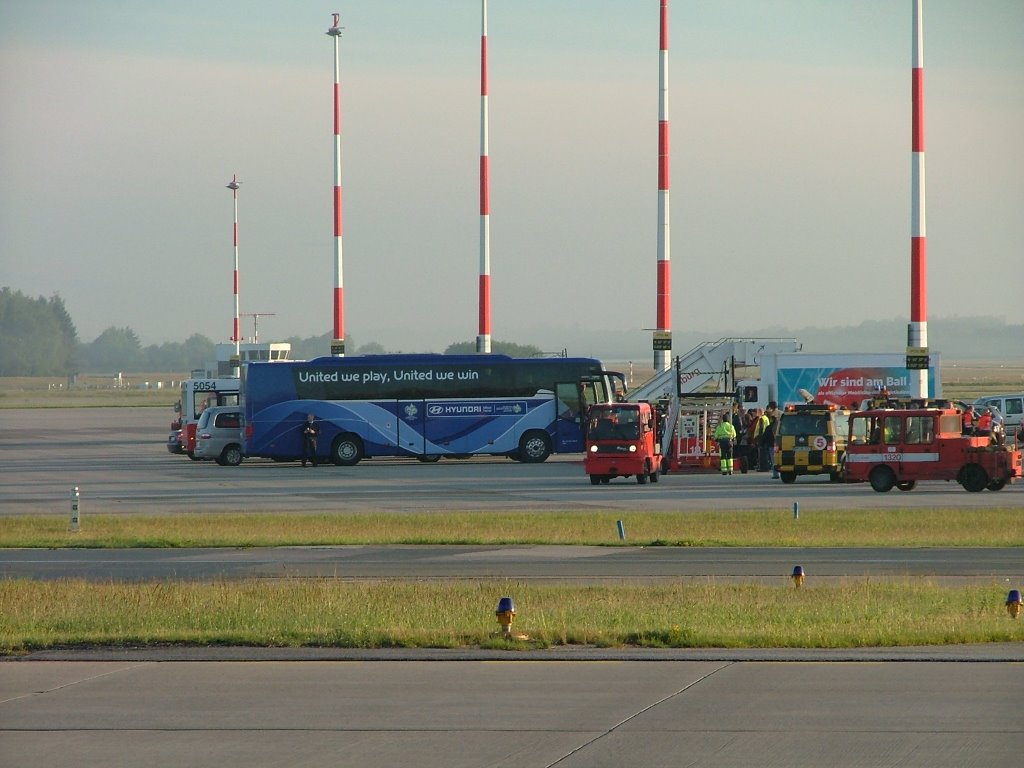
174,444
219,435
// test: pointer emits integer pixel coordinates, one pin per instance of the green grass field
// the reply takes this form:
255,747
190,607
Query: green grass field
952,527
331,612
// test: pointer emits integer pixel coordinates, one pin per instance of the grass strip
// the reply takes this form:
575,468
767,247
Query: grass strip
1000,527
333,613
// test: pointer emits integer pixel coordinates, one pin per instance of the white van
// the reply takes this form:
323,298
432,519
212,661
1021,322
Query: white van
1011,406
219,435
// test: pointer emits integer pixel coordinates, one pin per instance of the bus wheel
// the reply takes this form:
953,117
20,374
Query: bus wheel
973,478
347,450
430,459
907,485
882,479
534,447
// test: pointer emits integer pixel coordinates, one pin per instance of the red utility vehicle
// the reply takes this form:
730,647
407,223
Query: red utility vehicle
622,439
898,446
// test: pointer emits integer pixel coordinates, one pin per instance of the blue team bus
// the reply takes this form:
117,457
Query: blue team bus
423,406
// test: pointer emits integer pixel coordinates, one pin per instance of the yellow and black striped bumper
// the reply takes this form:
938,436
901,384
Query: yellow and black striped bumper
807,461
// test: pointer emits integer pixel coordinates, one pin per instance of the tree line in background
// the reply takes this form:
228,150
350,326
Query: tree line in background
38,338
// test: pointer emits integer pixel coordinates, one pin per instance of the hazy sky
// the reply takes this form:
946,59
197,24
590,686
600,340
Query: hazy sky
121,123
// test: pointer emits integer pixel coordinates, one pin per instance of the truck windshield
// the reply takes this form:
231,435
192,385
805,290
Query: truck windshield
804,424
614,424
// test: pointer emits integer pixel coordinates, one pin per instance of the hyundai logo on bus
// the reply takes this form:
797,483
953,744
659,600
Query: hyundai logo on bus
475,409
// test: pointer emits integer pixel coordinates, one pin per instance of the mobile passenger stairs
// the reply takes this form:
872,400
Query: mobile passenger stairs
694,392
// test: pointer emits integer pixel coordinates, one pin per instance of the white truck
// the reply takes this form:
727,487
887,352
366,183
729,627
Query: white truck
845,380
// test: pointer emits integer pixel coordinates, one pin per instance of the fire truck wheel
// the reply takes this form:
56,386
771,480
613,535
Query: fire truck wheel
654,476
788,477
997,485
909,485
606,479
595,479
882,479
534,447
973,478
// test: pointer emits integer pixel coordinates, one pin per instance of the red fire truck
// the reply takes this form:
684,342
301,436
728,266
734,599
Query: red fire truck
898,446
622,439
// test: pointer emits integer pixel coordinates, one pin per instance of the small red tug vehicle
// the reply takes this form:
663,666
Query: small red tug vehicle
900,445
622,439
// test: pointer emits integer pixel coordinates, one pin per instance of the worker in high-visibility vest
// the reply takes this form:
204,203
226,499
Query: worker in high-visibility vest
725,434
968,420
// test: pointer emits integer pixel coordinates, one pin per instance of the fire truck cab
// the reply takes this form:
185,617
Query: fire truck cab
622,439
898,446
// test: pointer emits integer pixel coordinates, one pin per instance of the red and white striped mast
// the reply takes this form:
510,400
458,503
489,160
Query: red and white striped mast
483,339
338,342
663,331
917,330
236,333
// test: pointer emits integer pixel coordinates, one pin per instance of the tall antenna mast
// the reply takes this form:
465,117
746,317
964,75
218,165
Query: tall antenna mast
256,323
338,342
663,331
236,333
483,339
917,330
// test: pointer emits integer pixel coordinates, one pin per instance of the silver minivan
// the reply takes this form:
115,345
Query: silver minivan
219,435
1011,406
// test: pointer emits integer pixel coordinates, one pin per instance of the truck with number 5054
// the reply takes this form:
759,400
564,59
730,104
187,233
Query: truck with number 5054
898,446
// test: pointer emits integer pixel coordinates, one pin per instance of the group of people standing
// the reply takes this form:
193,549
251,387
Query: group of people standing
749,438
983,424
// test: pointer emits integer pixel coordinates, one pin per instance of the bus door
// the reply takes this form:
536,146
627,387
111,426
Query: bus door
571,403
412,417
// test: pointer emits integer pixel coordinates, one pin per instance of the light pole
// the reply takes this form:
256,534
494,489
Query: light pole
236,333
338,342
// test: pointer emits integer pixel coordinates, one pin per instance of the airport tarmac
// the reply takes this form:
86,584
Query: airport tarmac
516,713
118,460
